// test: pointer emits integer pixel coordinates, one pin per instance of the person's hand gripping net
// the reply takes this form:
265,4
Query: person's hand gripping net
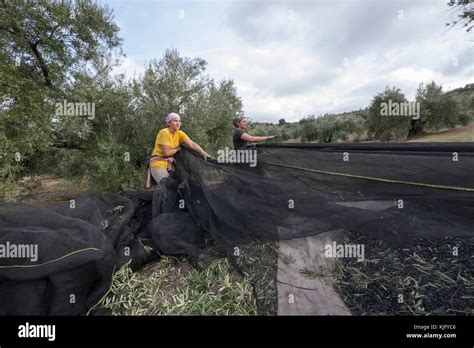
207,156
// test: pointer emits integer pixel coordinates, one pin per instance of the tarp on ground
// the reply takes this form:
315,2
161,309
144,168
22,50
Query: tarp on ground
295,190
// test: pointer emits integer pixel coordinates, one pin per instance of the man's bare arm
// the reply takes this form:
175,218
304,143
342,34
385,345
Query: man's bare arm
254,139
197,148
168,151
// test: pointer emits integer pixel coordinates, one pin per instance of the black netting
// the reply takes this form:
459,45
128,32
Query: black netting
213,208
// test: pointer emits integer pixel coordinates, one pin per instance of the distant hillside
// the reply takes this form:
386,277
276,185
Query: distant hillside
352,125
465,97
458,134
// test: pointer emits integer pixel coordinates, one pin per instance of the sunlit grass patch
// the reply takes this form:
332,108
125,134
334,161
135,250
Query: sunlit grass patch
172,287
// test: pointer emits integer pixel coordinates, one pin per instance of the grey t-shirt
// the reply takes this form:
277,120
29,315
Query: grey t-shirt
238,142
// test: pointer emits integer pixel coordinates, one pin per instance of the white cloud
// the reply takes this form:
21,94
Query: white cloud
129,67
264,77
294,68
413,75
290,64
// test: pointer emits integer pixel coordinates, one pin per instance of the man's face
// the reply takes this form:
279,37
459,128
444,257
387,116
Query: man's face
243,124
175,123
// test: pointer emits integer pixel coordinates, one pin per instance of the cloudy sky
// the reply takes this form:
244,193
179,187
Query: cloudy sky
293,58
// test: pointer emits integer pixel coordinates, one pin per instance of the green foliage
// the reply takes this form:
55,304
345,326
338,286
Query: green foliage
42,46
223,106
52,39
128,116
331,128
53,51
173,287
438,110
465,13
464,96
111,167
177,84
308,129
385,127
8,173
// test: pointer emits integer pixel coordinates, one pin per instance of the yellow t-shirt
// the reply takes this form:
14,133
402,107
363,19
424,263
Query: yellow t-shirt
165,137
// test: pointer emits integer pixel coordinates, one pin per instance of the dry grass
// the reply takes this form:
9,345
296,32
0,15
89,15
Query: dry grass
461,134
172,287
39,190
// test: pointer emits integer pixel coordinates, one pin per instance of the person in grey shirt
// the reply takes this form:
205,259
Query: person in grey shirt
241,138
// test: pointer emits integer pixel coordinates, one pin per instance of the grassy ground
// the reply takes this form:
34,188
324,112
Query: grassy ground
460,134
172,286
41,190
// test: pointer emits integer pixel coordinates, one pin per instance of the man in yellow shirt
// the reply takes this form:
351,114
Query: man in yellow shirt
168,142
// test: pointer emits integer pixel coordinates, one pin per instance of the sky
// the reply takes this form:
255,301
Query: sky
291,59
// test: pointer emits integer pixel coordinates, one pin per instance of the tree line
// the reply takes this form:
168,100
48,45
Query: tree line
64,52
435,110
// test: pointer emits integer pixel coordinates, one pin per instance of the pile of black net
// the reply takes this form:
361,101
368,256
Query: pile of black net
211,208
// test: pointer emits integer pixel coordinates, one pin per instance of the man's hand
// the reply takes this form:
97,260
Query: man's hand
206,156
